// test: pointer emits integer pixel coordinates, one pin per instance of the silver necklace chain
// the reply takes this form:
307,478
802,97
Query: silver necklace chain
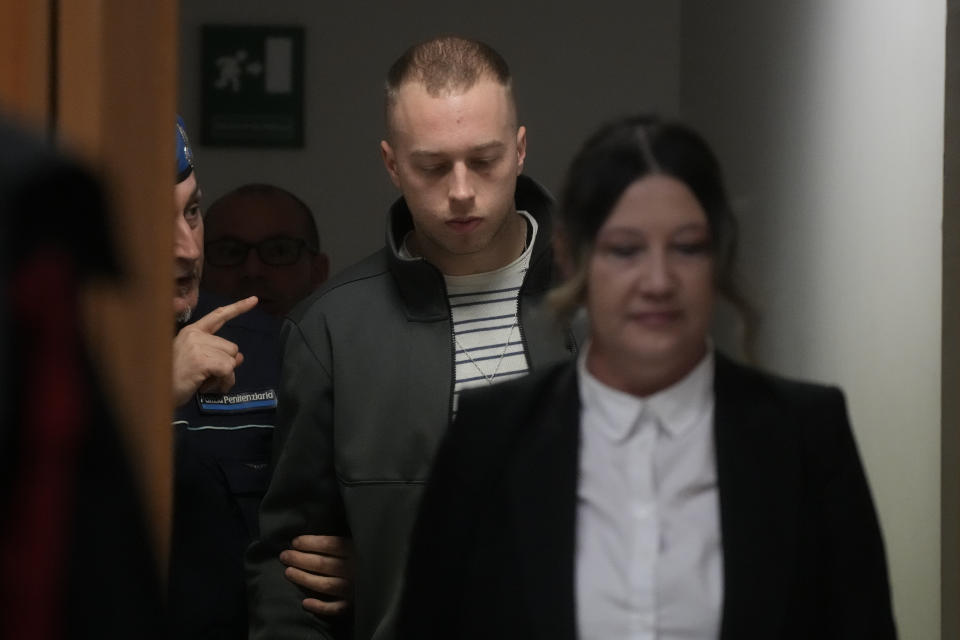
503,352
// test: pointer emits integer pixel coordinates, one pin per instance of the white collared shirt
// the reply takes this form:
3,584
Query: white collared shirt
649,555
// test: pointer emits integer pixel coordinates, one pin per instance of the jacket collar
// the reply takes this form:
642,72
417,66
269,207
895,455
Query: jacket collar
421,285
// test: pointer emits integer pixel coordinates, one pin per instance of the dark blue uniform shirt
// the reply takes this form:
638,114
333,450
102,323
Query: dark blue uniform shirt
222,457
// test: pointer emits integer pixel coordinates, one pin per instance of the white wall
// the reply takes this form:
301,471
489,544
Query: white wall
572,70
828,115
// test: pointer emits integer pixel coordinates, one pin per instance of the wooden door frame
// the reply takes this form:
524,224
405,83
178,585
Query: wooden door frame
950,337
100,78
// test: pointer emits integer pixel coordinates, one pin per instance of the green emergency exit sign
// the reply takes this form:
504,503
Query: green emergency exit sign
252,86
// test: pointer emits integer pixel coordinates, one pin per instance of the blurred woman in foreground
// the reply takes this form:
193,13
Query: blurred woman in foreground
654,488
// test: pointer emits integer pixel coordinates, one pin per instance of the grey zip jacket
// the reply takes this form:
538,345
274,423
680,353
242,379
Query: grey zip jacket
365,397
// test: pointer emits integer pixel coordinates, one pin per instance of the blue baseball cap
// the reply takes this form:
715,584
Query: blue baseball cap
184,153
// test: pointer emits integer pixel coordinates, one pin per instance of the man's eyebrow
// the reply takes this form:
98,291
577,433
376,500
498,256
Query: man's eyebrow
494,145
424,154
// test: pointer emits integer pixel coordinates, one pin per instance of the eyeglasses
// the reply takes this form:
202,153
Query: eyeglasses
276,252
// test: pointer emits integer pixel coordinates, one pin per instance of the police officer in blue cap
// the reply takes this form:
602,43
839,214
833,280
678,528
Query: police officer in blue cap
224,419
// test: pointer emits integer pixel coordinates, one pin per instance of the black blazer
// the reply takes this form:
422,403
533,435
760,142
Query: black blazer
492,554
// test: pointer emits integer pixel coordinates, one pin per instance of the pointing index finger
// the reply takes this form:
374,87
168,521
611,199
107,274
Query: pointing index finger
213,321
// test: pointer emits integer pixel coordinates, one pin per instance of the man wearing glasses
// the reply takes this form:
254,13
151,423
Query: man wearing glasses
262,241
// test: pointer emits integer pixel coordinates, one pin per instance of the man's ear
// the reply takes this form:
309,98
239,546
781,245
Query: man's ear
320,269
390,162
521,148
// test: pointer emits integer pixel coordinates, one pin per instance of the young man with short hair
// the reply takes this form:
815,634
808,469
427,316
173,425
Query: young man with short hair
373,366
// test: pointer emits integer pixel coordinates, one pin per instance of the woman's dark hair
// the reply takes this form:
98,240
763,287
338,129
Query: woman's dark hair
613,158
